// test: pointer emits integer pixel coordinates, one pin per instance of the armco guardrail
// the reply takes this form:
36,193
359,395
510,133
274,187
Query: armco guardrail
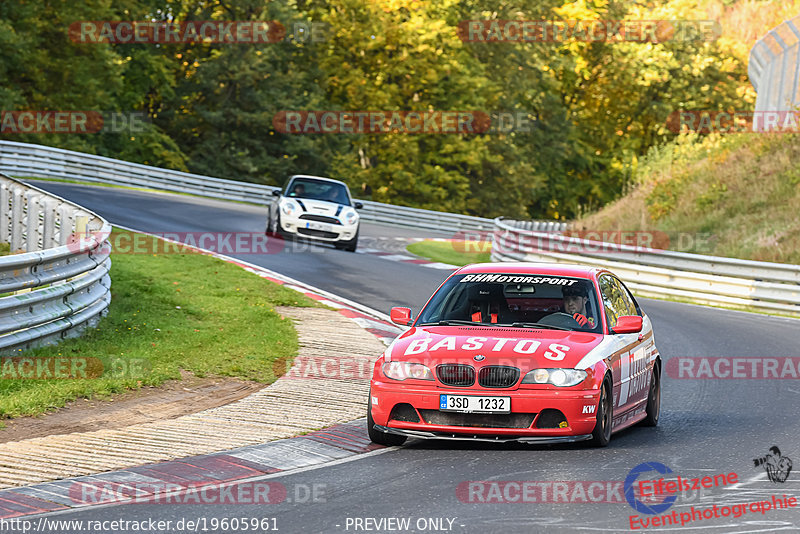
28,160
660,273
774,67
55,283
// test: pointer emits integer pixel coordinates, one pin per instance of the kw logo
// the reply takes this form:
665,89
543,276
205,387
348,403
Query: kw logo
589,409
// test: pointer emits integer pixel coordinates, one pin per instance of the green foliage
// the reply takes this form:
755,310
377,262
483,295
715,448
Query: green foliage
596,108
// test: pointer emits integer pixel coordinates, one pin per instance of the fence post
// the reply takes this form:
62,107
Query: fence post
5,214
16,220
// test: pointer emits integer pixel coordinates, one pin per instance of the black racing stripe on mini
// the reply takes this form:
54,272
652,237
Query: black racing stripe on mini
301,204
338,210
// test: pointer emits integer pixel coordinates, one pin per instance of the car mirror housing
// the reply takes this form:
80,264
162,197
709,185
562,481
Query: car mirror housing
276,192
401,316
358,205
628,324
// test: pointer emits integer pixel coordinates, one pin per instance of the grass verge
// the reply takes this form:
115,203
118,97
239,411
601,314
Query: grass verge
168,312
453,252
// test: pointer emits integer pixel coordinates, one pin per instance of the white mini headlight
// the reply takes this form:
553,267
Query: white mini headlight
404,370
351,217
288,208
556,377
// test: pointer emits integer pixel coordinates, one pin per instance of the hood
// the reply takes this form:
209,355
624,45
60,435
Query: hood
524,348
320,207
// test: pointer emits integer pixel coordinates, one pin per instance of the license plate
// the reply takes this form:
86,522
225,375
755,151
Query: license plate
474,404
318,226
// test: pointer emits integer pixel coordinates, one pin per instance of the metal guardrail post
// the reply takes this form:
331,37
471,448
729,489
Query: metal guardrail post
16,219
32,226
5,213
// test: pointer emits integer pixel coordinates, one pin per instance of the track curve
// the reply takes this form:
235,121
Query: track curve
707,426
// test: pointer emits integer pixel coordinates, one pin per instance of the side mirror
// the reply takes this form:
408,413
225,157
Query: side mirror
628,324
401,316
358,205
276,192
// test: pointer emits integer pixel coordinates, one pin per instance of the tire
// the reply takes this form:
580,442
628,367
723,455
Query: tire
653,409
278,231
382,438
601,435
270,232
349,246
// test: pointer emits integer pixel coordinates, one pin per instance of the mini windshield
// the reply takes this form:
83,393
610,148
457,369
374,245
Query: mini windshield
318,190
522,300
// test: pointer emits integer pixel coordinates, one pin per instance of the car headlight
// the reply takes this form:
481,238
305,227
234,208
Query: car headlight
404,370
556,377
351,217
288,208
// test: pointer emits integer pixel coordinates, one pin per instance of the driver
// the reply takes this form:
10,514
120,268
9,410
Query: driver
575,299
299,190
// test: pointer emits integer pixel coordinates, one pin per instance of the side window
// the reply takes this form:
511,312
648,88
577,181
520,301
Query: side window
633,307
613,301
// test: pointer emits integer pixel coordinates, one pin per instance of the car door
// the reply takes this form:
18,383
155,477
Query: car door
629,362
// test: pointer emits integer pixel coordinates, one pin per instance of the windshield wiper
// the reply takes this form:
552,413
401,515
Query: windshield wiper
542,325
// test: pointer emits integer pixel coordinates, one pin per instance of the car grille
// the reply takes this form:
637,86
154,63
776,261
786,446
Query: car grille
320,218
498,376
317,233
456,375
478,420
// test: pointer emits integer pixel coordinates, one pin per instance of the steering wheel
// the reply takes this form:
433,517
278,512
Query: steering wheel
561,319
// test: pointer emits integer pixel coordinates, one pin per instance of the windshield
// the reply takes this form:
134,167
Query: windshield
318,190
505,299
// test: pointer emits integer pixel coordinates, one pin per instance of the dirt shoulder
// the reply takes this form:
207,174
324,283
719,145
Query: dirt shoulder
172,399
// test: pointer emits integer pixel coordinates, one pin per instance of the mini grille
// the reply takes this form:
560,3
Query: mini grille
320,218
317,233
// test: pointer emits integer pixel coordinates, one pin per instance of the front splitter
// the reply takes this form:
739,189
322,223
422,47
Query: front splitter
421,434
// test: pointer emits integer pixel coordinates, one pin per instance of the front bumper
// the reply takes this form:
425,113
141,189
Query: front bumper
578,406
319,231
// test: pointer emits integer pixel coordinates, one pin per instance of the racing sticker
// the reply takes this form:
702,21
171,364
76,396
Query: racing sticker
514,278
